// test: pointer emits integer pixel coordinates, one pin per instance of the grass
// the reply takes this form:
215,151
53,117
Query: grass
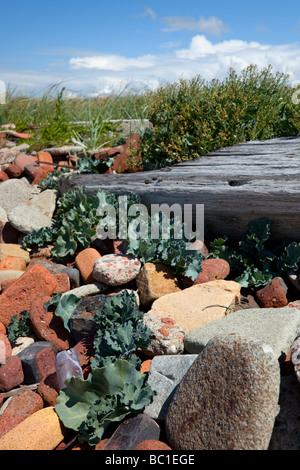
24,109
190,117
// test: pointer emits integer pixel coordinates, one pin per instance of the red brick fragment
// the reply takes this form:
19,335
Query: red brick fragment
48,388
164,332
46,325
19,408
212,270
45,361
36,282
13,171
63,283
85,261
45,157
11,374
273,295
41,174
22,160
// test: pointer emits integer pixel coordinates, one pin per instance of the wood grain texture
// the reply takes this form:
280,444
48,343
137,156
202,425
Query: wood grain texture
236,185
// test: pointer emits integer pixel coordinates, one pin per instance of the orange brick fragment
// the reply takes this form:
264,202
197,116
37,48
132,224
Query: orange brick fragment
164,332
36,282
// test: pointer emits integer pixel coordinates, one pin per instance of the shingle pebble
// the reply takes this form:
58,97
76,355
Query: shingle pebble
116,269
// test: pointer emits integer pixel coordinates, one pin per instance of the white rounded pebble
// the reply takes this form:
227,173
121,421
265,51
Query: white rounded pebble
116,269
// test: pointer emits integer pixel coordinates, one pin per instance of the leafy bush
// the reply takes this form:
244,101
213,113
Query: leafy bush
193,117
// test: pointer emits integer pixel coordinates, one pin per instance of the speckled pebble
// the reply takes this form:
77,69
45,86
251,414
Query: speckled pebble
116,269
166,338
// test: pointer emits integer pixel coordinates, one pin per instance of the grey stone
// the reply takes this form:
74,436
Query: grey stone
35,213
164,376
74,276
82,323
286,432
89,289
274,326
228,399
25,218
12,193
32,373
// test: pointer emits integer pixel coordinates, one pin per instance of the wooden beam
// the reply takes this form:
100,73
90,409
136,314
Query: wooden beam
236,185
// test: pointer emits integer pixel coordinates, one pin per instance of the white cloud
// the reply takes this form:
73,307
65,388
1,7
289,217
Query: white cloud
149,12
105,73
201,47
112,62
211,25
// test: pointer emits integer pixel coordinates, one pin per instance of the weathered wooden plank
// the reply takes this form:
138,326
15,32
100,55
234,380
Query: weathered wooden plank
236,185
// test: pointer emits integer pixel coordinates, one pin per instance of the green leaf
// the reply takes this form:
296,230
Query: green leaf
289,260
19,326
65,306
109,394
121,329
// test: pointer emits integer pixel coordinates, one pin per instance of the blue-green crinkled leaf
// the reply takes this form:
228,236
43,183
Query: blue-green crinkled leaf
289,260
109,394
258,233
121,329
65,306
253,277
117,309
38,237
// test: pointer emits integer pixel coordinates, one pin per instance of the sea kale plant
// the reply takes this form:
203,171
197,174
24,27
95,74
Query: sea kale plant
254,261
75,228
115,386
121,330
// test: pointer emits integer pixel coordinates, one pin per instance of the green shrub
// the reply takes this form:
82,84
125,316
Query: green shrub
193,117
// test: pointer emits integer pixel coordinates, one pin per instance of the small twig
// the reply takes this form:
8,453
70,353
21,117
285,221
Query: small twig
243,301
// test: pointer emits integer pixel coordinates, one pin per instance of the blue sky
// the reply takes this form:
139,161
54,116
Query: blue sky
103,46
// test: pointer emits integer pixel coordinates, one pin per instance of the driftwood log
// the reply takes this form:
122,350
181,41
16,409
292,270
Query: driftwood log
236,184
